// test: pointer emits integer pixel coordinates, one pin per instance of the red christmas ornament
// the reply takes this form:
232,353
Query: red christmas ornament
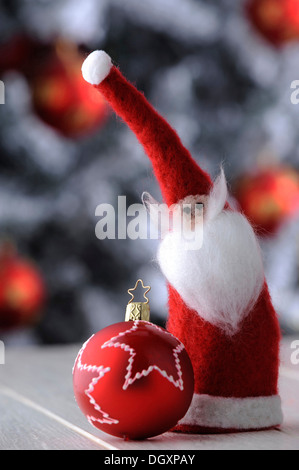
268,197
15,53
22,291
62,98
276,20
133,379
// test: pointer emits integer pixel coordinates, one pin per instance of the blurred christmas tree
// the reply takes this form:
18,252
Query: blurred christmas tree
208,71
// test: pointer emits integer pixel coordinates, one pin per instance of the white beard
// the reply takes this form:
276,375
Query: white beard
222,280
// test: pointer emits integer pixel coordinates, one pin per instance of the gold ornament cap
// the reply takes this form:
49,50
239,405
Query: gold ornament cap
138,310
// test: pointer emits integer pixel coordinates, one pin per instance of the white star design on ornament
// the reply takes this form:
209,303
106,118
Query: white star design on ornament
101,370
129,380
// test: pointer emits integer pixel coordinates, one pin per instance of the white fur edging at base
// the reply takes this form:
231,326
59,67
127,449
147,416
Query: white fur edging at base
96,67
233,413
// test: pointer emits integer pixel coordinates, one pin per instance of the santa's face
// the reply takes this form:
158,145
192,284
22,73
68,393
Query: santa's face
223,278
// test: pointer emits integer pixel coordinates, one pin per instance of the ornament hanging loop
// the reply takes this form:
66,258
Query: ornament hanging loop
138,310
135,287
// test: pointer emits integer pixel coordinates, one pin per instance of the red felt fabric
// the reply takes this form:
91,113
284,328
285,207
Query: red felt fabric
178,174
244,365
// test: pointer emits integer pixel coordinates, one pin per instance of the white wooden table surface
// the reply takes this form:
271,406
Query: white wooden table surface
38,410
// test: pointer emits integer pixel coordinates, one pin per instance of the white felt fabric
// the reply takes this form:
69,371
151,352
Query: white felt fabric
96,67
234,413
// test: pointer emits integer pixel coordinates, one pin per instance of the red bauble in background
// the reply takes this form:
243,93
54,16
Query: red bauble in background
62,98
276,20
133,380
15,53
268,197
22,291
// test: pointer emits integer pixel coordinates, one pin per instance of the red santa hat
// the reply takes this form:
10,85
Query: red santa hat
170,159
235,355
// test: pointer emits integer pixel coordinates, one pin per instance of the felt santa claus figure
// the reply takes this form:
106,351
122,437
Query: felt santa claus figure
219,304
